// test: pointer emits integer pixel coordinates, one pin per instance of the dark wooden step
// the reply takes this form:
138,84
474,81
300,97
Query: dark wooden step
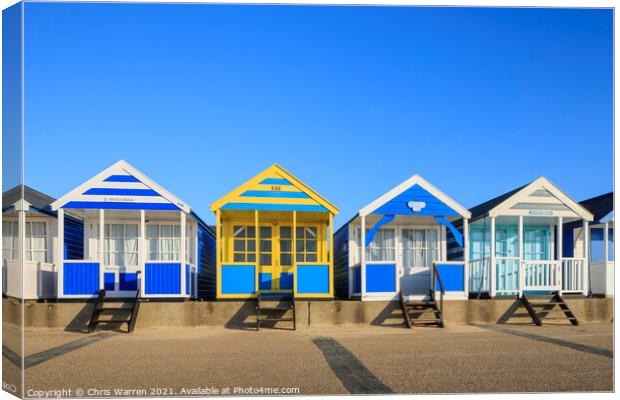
129,307
115,309
426,321
430,304
100,321
276,319
282,308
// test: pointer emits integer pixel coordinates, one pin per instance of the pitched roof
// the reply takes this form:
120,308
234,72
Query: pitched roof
274,189
121,186
601,206
539,197
483,208
33,197
427,199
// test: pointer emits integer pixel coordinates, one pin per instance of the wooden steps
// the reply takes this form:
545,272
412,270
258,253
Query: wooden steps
275,308
547,303
125,313
416,313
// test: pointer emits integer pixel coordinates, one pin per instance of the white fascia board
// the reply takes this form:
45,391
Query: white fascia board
415,180
504,207
126,167
21,205
163,192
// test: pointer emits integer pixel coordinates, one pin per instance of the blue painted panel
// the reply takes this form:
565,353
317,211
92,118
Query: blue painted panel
452,277
313,279
267,193
164,278
238,279
121,192
386,219
357,280
568,242
274,207
128,281
264,281
121,178
597,247
286,281
398,205
121,206
74,239
80,278
611,244
380,277
275,181
109,281
455,232
188,283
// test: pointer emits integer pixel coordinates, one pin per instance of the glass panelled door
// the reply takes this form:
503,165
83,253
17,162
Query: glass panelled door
506,259
536,243
276,258
120,257
267,274
277,254
420,248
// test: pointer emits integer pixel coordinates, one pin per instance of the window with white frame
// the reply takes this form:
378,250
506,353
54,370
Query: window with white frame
35,241
420,248
120,245
163,242
10,243
382,247
190,245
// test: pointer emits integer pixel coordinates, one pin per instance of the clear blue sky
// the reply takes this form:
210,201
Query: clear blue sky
352,100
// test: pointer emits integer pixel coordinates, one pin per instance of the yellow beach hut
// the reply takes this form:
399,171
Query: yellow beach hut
274,236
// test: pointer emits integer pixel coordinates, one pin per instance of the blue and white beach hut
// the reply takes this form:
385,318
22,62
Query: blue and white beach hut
27,213
516,246
391,245
137,235
601,243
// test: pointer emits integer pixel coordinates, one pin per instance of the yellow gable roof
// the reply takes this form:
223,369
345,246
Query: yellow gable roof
274,189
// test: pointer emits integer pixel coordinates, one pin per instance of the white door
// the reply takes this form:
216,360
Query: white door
420,247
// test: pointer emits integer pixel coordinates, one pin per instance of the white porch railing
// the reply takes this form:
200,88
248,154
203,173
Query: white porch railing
39,279
513,275
479,275
574,275
506,274
540,275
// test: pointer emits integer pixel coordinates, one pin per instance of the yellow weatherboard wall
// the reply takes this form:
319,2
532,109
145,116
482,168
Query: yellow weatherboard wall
273,236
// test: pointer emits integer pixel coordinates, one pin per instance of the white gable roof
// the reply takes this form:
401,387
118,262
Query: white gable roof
120,186
409,183
541,197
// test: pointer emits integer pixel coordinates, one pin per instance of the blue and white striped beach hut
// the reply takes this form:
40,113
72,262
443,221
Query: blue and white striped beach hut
137,235
392,244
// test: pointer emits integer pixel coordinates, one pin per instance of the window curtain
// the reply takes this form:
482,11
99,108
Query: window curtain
131,245
383,246
419,247
120,245
163,242
9,240
36,242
